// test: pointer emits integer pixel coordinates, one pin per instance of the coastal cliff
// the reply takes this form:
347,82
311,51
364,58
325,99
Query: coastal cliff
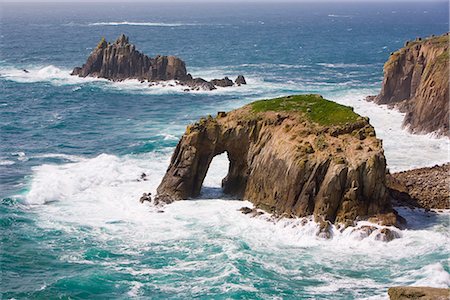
416,81
120,60
292,156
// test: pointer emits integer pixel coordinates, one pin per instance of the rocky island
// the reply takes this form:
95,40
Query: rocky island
292,156
416,81
120,61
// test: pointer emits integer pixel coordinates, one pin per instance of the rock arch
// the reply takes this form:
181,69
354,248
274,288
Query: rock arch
285,164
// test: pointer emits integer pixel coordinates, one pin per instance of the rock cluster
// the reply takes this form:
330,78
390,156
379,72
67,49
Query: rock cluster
425,187
416,81
291,156
120,60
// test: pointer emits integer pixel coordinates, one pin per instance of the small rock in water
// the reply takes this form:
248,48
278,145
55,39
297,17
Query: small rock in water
386,235
245,210
146,197
144,177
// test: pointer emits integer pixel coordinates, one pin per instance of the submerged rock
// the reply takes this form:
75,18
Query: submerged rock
287,161
120,60
416,81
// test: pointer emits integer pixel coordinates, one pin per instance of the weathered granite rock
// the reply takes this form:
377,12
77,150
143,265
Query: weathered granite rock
120,60
416,81
418,292
292,156
424,187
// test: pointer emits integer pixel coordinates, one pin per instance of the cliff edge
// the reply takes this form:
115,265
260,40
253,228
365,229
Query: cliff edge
416,81
292,156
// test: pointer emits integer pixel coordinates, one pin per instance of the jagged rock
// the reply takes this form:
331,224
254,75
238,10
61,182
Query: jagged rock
416,81
120,60
224,82
280,161
418,293
240,80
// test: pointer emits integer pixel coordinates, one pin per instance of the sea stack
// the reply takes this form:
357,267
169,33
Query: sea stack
416,81
120,61
292,156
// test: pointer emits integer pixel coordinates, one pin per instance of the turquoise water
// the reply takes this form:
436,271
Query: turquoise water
73,149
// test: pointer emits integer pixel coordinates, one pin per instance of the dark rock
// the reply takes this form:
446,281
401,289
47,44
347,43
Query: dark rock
240,80
245,210
224,82
146,197
199,84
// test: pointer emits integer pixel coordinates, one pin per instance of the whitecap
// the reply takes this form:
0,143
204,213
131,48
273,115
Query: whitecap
151,24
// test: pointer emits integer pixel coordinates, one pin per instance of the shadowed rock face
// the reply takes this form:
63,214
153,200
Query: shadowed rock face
120,61
288,156
416,80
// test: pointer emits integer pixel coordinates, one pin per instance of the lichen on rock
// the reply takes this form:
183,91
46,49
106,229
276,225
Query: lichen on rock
278,160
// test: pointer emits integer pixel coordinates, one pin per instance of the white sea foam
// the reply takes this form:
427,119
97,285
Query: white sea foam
151,24
6,162
102,193
51,74
403,150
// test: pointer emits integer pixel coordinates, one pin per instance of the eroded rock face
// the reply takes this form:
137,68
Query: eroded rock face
416,80
120,60
289,157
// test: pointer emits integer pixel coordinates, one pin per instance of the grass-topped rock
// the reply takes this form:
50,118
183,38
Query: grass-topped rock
313,106
293,156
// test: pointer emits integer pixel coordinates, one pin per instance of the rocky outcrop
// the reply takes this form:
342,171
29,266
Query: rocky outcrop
292,156
120,60
418,293
416,81
424,188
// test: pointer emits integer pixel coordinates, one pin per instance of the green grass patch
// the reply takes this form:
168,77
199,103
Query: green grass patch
316,108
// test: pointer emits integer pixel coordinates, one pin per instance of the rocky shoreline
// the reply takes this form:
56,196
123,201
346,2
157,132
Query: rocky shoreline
416,82
120,60
422,188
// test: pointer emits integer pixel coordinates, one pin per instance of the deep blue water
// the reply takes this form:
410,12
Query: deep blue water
72,148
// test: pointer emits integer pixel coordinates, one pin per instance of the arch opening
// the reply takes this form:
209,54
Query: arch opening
217,171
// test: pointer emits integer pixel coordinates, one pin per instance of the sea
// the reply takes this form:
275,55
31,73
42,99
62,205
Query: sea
73,149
